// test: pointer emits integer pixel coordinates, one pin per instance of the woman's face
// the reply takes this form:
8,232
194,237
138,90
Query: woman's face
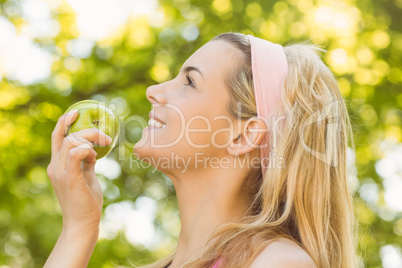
194,108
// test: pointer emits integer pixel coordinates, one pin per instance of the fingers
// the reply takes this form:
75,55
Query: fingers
92,182
59,132
76,139
76,155
94,135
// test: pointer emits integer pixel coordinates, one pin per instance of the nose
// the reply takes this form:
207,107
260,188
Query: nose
156,94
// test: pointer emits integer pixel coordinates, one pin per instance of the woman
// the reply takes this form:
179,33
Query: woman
264,183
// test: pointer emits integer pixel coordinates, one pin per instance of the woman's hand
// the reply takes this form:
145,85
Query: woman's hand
72,174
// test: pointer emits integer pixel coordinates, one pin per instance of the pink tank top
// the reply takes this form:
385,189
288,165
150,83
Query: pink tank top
217,263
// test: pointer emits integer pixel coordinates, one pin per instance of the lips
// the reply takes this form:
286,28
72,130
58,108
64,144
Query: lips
152,115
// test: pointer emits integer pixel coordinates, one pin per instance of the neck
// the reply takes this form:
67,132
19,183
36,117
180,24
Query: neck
206,199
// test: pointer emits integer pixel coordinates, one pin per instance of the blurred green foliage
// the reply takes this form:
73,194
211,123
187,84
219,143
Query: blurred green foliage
364,44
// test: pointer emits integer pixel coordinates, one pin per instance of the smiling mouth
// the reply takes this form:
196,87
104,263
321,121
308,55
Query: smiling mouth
155,124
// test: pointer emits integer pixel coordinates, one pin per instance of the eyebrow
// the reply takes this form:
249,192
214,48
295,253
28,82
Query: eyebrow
193,68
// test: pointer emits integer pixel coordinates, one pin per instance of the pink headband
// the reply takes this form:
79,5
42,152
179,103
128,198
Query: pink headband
270,67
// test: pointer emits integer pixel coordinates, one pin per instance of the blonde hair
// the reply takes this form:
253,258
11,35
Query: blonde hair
308,201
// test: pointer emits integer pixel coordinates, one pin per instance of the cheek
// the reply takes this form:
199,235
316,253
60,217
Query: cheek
193,124
213,130
198,131
194,121
222,129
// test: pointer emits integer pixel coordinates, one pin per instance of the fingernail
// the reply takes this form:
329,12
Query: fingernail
109,138
72,112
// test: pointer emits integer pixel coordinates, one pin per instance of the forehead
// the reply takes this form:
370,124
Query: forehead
216,59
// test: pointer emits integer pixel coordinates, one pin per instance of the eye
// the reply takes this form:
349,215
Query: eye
190,81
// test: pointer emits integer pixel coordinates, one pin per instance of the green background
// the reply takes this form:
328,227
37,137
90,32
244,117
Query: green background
363,40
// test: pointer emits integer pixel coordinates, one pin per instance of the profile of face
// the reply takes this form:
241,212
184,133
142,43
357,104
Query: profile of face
194,108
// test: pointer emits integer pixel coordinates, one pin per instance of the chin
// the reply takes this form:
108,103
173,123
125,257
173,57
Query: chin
144,151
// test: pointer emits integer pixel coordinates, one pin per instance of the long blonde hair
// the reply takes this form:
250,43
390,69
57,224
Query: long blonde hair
309,200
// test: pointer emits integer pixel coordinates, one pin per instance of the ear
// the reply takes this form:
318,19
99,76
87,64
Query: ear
254,131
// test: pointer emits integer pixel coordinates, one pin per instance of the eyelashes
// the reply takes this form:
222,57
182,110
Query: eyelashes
190,81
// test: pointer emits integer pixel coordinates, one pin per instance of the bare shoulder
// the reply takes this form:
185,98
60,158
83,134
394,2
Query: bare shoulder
283,253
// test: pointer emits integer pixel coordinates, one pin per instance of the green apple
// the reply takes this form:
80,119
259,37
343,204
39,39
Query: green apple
93,114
